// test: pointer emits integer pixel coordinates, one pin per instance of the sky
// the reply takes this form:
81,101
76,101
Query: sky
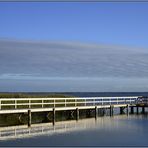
73,46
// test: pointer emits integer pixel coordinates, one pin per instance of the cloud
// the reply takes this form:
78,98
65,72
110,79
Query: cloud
9,76
15,76
70,59
71,66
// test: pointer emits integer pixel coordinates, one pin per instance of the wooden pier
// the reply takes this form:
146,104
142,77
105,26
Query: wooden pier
29,105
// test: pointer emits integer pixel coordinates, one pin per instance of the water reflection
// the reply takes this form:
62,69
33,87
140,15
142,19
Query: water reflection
118,122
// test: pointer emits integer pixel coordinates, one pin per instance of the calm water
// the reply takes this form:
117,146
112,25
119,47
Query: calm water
120,130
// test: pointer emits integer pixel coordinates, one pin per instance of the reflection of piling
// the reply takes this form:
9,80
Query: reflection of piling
127,109
96,112
29,118
53,120
132,109
77,114
71,114
100,111
88,112
103,111
137,109
143,110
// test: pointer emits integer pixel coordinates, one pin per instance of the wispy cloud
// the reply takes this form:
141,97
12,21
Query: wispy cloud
70,59
11,76
71,66
16,76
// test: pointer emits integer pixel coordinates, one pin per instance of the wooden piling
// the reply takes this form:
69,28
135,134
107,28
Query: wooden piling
127,109
29,118
132,109
137,109
77,113
121,110
111,110
143,110
96,112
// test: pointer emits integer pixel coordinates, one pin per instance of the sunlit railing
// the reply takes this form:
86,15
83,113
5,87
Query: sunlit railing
29,103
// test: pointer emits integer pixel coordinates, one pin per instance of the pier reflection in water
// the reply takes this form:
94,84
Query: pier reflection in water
120,130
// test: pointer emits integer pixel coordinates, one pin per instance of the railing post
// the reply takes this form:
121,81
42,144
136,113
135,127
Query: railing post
85,102
65,102
102,101
117,101
75,103
29,103
54,103
130,101
15,104
42,103
0,105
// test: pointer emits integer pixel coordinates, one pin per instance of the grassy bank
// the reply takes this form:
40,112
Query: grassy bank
33,95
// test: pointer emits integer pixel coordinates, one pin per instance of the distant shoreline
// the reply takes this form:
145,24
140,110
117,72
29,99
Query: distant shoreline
68,94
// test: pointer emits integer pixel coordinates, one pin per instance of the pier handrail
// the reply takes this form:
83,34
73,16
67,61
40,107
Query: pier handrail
17,103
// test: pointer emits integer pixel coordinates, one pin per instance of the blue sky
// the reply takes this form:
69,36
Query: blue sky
71,46
114,22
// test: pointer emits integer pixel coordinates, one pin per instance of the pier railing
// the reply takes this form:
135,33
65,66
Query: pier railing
143,101
29,103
